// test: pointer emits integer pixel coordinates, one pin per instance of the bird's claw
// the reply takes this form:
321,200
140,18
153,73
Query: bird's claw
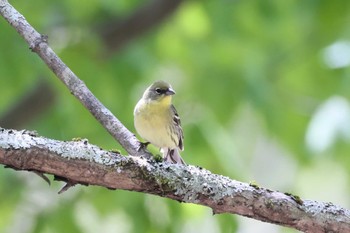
143,146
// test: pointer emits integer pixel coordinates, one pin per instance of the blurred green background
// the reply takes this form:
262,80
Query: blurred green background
262,87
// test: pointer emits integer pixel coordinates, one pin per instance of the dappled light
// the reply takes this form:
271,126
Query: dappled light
262,89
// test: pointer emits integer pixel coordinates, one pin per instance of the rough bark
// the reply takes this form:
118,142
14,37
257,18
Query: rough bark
78,162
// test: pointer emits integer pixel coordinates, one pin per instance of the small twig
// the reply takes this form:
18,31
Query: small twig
66,187
68,183
42,175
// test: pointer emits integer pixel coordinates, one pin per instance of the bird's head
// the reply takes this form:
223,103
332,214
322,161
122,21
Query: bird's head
159,91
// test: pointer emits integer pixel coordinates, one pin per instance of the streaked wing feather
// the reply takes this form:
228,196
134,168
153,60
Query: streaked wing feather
177,123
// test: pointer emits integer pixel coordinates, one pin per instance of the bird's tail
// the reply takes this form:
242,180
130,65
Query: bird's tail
172,156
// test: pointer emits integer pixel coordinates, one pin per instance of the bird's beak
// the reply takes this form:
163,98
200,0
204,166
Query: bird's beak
170,91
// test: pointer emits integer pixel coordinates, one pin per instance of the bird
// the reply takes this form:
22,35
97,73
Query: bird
157,121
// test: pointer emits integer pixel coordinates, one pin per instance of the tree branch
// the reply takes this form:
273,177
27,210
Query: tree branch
117,33
38,44
79,162
34,102
82,163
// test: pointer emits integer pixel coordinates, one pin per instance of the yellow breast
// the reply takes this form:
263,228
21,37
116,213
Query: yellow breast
153,121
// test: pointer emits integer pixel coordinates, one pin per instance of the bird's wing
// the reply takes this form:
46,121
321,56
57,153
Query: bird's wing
177,123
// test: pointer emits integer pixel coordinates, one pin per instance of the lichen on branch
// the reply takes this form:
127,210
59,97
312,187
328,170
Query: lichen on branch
79,162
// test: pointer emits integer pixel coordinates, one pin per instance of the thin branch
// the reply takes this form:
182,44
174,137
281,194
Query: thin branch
38,44
116,33
82,163
29,106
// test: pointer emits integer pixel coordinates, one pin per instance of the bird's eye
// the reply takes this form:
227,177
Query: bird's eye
158,91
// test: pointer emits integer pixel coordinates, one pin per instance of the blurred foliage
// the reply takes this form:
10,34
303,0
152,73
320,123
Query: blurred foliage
251,78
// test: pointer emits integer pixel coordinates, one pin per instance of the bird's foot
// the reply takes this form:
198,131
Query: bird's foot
143,146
